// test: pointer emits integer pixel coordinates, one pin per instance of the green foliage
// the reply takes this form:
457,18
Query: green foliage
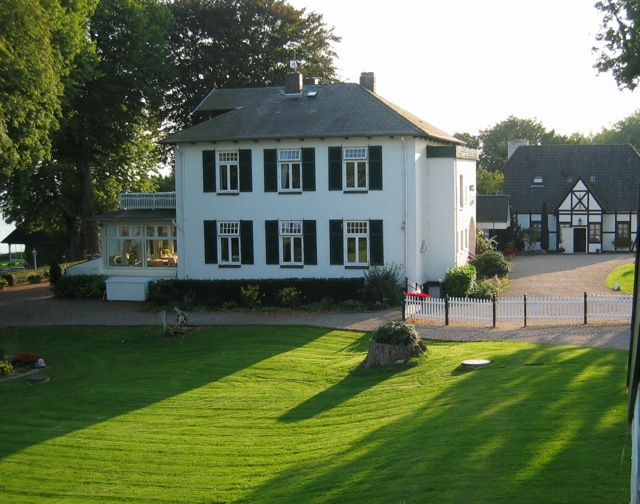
484,244
55,272
5,368
289,297
396,333
225,293
382,286
528,236
250,296
491,264
10,279
35,278
459,281
618,41
489,182
488,288
79,286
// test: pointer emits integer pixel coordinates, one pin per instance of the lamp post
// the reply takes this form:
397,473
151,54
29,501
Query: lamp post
35,260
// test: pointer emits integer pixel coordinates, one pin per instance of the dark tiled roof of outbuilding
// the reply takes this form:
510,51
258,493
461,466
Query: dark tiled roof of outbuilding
492,208
320,111
611,172
161,214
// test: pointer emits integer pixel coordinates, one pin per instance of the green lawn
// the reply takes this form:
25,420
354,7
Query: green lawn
624,276
284,415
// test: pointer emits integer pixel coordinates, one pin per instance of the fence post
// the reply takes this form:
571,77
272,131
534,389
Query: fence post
494,311
446,309
404,299
525,310
585,308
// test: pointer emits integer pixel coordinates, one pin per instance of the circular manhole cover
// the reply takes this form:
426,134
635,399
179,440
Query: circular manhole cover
37,379
474,363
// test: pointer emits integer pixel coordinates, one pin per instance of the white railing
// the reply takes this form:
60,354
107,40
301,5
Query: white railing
148,200
524,310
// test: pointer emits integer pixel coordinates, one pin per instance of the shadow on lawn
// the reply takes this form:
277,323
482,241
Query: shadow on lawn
98,373
532,427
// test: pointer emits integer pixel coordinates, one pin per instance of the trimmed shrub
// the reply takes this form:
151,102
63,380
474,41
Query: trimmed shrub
289,297
250,296
488,288
459,281
55,272
491,264
5,368
396,333
79,286
10,279
382,286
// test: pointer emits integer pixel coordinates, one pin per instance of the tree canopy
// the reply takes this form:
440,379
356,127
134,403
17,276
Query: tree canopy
618,48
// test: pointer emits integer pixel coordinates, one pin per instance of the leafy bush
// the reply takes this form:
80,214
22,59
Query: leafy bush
459,281
5,368
488,288
382,286
289,297
491,264
396,333
484,244
26,359
10,279
55,272
35,278
250,296
79,286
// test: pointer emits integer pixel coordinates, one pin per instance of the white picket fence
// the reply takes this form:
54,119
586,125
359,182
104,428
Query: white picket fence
524,310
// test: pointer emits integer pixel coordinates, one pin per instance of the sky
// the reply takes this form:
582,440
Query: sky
466,65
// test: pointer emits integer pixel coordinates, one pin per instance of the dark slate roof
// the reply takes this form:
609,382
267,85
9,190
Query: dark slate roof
137,215
611,172
327,110
21,237
492,208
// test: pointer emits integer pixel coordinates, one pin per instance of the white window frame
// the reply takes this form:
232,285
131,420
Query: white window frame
356,238
355,159
291,239
228,235
290,170
228,167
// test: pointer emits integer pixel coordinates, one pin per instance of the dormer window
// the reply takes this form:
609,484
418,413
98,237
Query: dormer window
537,182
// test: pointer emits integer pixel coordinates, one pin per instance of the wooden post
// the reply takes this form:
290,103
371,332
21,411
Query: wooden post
585,308
446,309
404,299
494,311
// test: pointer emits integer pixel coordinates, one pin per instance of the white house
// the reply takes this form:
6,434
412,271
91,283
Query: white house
306,181
591,194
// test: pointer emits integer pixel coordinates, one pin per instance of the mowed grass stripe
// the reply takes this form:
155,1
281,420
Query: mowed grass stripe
268,414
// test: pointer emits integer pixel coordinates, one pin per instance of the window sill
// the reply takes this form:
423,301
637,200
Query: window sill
355,267
295,191
228,193
229,265
291,266
355,191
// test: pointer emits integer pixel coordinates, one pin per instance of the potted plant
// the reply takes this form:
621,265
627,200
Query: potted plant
622,242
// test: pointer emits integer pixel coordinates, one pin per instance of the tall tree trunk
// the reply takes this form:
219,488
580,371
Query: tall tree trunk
87,209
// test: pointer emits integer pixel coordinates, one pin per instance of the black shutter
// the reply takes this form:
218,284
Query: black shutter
246,242
376,243
246,181
209,171
271,242
210,242
309,169
335,168
336,242
310,242
270,170
375,168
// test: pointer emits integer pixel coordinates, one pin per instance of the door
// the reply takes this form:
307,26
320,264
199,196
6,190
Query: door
580,240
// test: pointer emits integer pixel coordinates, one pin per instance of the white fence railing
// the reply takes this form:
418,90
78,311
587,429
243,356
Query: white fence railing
524,310
148,200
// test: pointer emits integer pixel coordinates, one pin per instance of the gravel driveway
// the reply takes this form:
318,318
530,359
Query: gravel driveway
553,275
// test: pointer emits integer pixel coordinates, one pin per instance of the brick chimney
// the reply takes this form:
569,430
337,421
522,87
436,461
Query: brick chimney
293,83
368,81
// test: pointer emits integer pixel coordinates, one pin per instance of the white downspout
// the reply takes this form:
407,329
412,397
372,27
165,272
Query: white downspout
405,210
182,262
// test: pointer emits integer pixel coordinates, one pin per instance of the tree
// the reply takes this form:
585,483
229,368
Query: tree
619,41
495,140
544,228
625,131
241,43
472,141
489,182
38,42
